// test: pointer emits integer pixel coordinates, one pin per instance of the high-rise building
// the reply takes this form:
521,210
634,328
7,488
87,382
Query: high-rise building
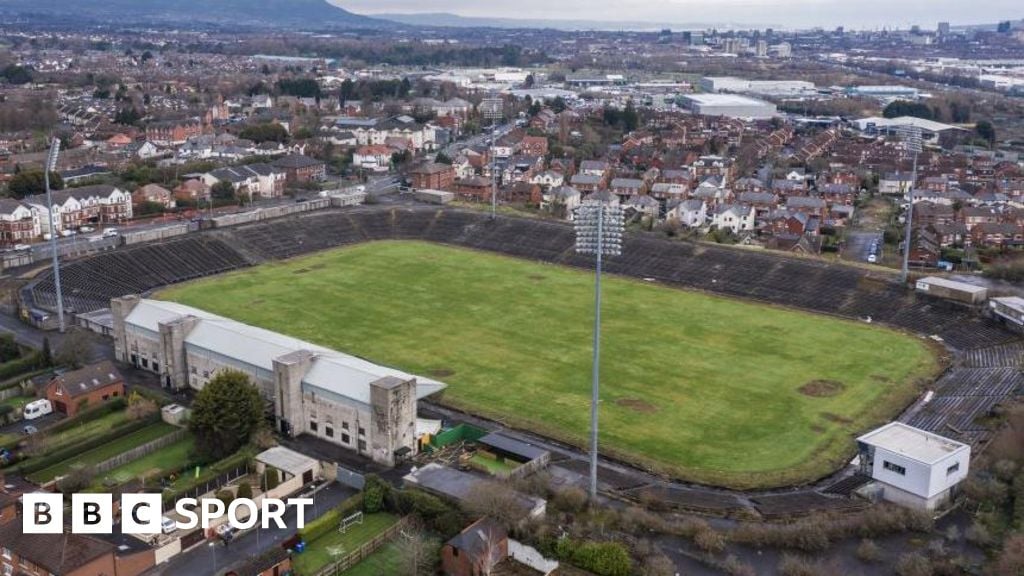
943,28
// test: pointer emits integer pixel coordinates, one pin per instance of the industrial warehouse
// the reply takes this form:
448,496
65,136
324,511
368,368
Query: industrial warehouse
314,390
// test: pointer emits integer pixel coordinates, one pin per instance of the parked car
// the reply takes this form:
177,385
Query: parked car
22,247
167,525
110,232
29,430
86,229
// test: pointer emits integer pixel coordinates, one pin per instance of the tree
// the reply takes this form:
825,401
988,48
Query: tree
898,108
32,182
47,353
75,349
223,190
418,551
17,74
374,492
268,132
127,116
497,501
630,118
985,130
443,158
225,414
140,407
558,104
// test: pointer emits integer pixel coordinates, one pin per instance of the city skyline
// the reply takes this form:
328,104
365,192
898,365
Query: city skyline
784,14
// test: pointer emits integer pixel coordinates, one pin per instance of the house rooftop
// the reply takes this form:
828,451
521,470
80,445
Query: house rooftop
916,444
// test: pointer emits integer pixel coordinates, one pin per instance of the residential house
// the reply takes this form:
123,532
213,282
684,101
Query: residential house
998,235
643,205
474,188
972,216
524,192
734,217
75,207
895,183
837,193
953,234
18,222
477,550
713,166
432,176
561,201
604,197
153,193
548,179
587,182
192,190
533,145
84,388
300,168
667,191
925,248
626,188
173,132
598,168
375,158
142,150
690,213
807,205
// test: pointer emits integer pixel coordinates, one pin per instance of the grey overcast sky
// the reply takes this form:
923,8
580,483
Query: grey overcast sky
784,13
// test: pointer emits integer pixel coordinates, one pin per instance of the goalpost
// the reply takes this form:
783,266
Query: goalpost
350,521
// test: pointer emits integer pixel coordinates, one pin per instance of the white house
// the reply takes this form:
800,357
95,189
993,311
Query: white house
735,217
373,158
561,199
548,179
689,213
895,183
914,468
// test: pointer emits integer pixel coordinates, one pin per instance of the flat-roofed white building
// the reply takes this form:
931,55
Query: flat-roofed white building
1009,309
952,290
312,390
914,467
730,105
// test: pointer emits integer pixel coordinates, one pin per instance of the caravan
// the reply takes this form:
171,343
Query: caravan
37,409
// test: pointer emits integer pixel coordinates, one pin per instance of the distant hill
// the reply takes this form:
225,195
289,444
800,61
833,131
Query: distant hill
263,13
445,19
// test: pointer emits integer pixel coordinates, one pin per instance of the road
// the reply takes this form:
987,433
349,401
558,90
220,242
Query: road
453,149
207,560
858,245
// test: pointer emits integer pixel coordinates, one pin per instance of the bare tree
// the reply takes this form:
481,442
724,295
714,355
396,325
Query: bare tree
418,551
497,501
491,536
75,350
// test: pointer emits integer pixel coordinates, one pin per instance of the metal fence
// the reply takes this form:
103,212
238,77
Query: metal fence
350,478
139,451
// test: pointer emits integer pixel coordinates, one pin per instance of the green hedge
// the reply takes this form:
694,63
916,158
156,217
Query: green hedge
329,521
45,461
27,363
103,409
601,558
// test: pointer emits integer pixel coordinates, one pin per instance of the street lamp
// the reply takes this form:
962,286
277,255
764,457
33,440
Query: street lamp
51,165
599,229
911,136
213,550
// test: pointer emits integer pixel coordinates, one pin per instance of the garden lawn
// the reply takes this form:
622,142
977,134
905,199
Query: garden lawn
108,450
387,560
492,466
159,463
317,554
705,388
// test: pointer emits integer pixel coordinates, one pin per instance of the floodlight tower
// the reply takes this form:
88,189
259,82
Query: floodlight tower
494,110
599,229
51,165
911,136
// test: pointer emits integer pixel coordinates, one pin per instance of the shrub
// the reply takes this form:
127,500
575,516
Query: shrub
573,500
791,565
709,540
657,564
868,551
245,490
77,479
271,478
373,494
328,522
913,564
601,558
226,496
733,566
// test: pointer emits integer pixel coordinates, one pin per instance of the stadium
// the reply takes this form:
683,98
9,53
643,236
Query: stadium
761,356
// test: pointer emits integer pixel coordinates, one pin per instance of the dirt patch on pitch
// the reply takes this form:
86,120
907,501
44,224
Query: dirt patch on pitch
636,405
441,372
835,418
822,388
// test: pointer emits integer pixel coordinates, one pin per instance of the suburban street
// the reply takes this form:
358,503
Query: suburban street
207,560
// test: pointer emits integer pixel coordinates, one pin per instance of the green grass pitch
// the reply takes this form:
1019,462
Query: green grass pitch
704,388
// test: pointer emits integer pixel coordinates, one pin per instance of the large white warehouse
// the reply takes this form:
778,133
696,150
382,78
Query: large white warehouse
730,105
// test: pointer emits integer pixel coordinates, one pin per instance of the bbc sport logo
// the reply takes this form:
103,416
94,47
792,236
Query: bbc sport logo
142,514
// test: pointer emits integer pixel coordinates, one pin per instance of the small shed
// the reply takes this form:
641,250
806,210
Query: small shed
434,196
505,448
295,469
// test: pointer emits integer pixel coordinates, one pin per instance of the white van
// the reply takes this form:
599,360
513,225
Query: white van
110,232
37,409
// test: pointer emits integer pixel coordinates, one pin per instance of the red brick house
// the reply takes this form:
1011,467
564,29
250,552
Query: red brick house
173,132
301,168
433,176
86,387
476,550
153,193
533,145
